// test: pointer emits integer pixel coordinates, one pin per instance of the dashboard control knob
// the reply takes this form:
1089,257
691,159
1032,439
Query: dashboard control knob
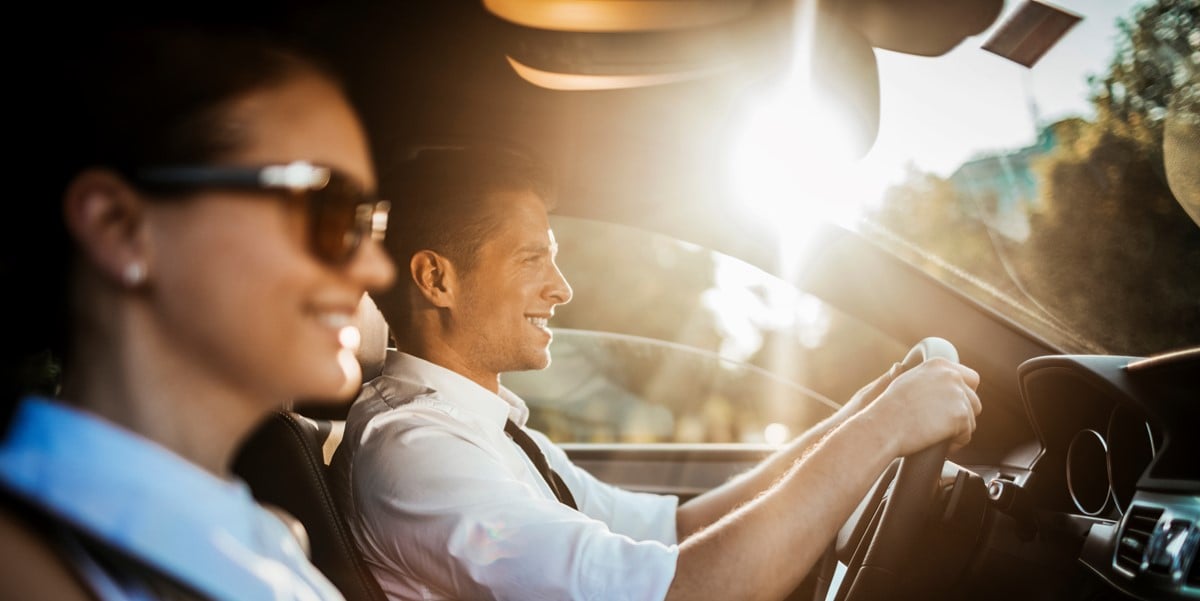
1012,500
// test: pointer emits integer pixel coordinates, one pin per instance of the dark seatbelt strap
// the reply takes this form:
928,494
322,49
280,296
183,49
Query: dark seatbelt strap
539,461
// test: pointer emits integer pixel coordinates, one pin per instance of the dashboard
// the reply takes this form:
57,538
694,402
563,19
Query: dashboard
1120,461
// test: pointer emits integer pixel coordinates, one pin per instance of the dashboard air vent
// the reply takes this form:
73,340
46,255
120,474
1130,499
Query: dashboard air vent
1135,536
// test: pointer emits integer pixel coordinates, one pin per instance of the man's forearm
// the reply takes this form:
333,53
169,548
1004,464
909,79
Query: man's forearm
763,549
713,504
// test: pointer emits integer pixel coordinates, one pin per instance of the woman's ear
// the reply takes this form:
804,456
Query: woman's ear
106,216
434,277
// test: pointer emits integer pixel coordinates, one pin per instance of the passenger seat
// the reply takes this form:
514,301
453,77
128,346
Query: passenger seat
285,464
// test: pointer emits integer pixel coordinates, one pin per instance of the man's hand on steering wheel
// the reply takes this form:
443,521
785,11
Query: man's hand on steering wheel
929,403
925,412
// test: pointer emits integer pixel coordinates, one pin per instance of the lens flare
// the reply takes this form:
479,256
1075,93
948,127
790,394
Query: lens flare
776,433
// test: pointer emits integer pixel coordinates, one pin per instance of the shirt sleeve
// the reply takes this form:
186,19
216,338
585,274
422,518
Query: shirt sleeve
642,516
451,514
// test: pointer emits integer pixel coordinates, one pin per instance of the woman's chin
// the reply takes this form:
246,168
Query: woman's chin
334,382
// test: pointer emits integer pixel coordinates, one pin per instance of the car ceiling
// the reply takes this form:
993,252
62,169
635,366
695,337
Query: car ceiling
437,72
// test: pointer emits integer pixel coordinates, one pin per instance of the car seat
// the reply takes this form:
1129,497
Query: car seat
285,464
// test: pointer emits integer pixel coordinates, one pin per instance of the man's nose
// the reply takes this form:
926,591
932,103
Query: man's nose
559,290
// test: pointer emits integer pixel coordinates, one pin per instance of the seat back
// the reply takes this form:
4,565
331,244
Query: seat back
285,463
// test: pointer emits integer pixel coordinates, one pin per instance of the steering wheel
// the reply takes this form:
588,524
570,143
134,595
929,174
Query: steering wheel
884,540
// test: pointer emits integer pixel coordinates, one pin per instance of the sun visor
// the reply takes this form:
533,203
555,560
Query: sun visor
1030,31
727,49
605,60
920,27
590,45
618,16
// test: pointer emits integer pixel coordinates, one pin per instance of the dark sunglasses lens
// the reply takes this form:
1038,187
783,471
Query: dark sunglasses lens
337,229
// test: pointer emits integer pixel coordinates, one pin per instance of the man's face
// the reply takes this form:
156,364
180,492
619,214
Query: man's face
508,296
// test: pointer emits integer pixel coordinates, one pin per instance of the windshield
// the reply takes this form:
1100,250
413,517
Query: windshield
667,341
1052,194
1055,194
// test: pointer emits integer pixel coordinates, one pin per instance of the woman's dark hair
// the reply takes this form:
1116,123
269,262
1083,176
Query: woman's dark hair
134,96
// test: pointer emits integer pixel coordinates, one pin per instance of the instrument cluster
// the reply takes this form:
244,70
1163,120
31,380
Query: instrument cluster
1103,465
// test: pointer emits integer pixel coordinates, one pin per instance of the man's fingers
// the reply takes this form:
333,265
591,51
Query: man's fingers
880,383
963,436
971,422
893,372
976,404
871,390
970,376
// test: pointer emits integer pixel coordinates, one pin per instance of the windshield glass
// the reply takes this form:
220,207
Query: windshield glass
1055,194
667,341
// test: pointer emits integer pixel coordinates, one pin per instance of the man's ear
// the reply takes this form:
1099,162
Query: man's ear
106,216
434,277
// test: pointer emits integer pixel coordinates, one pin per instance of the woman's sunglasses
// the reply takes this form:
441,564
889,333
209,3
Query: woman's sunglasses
341,213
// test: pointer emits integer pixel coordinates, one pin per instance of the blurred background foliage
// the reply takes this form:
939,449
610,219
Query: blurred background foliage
1108,259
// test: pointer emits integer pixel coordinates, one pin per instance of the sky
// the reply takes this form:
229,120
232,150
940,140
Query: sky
936,127
935,114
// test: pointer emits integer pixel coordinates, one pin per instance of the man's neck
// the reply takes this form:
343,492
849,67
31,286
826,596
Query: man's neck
443,355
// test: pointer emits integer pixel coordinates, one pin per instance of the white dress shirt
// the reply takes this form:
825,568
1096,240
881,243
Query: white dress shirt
445,506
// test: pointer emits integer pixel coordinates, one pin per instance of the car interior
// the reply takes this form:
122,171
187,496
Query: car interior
285,464
1081,481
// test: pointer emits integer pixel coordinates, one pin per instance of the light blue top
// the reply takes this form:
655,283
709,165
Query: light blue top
139,497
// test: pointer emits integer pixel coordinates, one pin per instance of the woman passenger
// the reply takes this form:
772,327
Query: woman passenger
195,264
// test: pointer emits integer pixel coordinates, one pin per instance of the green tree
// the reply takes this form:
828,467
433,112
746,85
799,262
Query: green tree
941,227
1106,213
1155,72
1111,261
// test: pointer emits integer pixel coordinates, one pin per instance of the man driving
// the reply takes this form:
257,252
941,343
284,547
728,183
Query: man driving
450,496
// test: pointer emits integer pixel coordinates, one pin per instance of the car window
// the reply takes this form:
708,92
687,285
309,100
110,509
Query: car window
1040,191
665,341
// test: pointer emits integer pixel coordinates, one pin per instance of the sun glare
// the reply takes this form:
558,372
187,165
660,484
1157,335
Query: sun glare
776,433
793,159
792,166
790,155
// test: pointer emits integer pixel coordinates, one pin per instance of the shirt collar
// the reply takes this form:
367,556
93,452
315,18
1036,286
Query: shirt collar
150,502
465,392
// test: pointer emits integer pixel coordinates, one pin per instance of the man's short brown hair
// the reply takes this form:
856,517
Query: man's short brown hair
440,202
438,199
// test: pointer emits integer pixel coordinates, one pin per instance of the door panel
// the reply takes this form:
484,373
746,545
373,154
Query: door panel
685,470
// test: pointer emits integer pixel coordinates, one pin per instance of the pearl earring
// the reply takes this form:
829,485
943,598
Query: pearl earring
135,274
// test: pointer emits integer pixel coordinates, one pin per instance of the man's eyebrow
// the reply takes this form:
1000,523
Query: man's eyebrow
538,247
